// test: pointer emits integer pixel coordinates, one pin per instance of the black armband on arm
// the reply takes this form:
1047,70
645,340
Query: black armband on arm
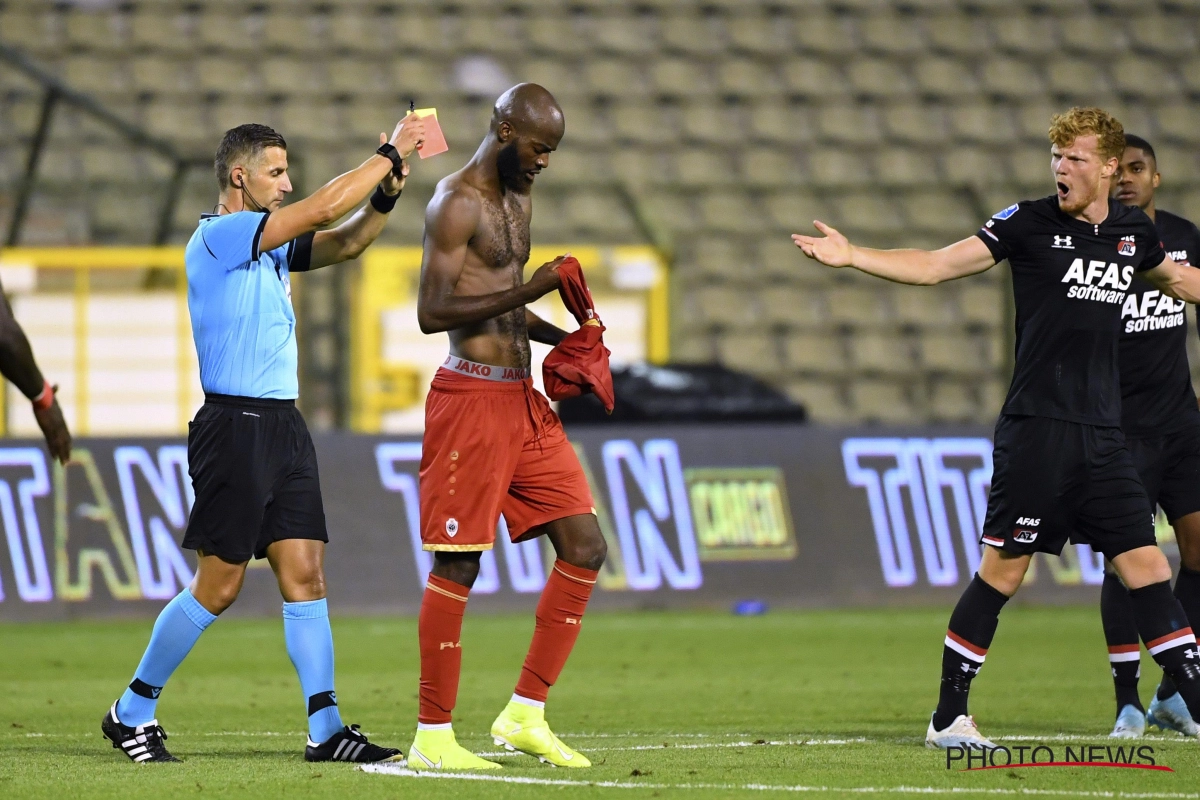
383,202
300,253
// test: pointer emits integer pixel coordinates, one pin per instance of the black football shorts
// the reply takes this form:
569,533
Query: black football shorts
1054,480
1169,467
254,471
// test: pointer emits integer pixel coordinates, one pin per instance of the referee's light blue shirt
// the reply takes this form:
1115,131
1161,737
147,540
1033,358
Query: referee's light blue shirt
241,307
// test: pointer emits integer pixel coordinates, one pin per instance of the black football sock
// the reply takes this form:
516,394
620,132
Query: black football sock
1164,629
972,626
1121,635
1187,591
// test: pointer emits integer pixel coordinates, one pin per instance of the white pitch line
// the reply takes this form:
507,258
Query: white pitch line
404,772
700,746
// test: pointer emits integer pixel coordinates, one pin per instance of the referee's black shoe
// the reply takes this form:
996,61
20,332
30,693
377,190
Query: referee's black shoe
349,745
142,744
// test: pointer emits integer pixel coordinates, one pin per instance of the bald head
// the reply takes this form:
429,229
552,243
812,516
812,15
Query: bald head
529,108
527,125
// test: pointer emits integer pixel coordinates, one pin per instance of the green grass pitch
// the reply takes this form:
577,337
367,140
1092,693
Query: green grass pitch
830,703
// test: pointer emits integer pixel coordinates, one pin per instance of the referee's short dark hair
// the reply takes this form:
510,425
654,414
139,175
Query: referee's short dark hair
243,143
1140,144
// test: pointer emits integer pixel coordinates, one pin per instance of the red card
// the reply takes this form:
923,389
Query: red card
435,140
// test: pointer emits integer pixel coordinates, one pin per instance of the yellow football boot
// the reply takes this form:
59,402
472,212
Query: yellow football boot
524,728
438,749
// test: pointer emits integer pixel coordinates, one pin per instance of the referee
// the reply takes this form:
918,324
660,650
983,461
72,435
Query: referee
251,459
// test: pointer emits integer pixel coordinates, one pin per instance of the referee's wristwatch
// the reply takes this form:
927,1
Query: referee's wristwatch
392,154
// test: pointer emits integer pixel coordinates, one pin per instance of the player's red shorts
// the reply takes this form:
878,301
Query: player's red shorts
493,445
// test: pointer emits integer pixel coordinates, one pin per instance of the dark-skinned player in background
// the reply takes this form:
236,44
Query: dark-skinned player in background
492,444
1060,465
18,365
1161,422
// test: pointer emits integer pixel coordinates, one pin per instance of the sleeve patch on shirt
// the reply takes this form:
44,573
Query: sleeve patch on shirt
1008,212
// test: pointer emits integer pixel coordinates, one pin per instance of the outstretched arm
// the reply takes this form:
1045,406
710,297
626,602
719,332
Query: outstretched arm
1176,280
335,199
356,234
17,365
542,331
450,222
919,267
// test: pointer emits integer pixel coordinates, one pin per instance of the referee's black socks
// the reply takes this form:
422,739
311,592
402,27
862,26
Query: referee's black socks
972,626
1165,630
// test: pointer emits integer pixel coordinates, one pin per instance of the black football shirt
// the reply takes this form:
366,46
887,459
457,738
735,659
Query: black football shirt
1070,280
1156,383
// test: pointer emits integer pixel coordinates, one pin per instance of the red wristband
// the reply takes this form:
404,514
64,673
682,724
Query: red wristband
46,398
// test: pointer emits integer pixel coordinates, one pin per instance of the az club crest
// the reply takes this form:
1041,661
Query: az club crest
1126,247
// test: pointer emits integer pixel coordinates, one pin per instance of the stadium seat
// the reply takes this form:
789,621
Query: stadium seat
904,167
917,125
745,78
614,78
1011,78
881,353
1179,163
845,124
1162,35
924,307
1143,78
35,31
301,77
780,123
815,354
822,33
701,167
952,401
940,212
869,212
283,30
757,354
690,34
769,168
952,353
881,401
982,306
790,307
599,213
225,29
1180,124
162,75
822,400
624,34
812,78
96,75
1189,73
944,78
958,34
678,78
725,308
879,78
979,122
757,34
891,34
97,30
227,77
642,125
702,122
1093,36
859,307
1024,35
1030,167
729,211
837,168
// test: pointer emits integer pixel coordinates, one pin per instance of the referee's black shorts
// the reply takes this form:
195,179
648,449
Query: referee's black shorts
1170,470
254,472
1054,480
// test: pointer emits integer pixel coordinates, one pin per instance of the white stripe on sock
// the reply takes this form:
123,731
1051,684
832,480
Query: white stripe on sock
525,701
964,652
433,726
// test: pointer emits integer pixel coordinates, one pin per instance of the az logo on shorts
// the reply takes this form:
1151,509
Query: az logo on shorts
451,527
1024,537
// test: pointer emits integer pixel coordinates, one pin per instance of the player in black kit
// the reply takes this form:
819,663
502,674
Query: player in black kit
1162,430
1060,465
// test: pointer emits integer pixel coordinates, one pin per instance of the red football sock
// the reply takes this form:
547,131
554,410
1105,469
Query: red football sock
559,615
438,630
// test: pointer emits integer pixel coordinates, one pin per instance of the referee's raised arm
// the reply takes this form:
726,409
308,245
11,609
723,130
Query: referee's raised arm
336,198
